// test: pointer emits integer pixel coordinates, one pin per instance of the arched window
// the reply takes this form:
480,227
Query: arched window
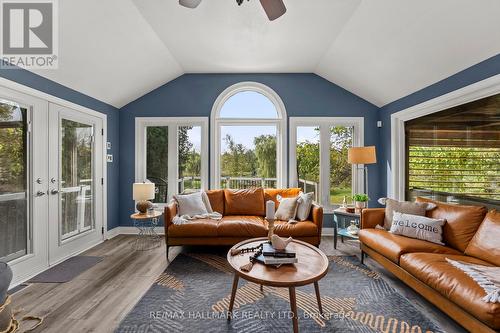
248,135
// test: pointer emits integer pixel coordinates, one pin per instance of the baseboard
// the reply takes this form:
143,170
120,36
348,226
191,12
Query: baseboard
130,231
327,232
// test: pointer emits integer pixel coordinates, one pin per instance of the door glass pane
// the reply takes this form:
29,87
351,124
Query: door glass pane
77,207
189,159
13,181
248,157
340,169
308,159
157,160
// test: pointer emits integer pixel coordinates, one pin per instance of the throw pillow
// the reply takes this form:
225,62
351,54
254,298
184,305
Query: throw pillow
190,204
304,206
416,226
391,206
206,201
287,209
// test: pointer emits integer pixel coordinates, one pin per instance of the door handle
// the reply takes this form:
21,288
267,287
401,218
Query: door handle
54,191
39,194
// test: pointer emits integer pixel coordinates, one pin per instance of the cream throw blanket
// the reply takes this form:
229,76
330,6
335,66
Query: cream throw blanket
486,277
186,218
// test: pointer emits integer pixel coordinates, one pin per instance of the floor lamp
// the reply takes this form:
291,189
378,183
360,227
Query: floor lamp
362,155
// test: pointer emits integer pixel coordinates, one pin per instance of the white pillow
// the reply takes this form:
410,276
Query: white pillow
190,204
420,227
287,209
304,207
206,201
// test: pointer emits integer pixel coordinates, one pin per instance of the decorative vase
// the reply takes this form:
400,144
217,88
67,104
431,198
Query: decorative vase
5,279
360,204
353,228
279,243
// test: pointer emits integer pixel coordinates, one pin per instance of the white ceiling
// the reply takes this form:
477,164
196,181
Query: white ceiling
381,50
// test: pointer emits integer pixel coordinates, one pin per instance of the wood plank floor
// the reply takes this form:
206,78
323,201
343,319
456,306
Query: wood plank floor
98,299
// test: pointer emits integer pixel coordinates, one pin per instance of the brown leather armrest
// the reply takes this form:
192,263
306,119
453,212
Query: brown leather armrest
170,212
317,216
370,217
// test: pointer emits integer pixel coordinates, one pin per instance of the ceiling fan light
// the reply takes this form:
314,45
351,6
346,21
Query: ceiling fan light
273,8
189,3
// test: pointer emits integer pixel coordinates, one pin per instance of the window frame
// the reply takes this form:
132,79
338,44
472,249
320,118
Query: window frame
216,122
141,123
325,123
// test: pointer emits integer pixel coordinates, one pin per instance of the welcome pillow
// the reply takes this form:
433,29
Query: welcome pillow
407,207
420,227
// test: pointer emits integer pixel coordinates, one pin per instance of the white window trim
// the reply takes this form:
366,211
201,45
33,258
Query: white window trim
324,123
173,171
281,128
470,93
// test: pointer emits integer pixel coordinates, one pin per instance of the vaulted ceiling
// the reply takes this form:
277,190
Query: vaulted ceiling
381,50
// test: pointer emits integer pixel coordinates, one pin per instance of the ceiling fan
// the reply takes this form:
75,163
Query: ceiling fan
273,8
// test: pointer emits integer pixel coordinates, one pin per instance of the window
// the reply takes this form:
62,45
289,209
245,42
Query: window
173,154
454,155
14,171
318,157
249,128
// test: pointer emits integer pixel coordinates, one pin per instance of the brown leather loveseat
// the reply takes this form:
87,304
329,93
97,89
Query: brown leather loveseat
471,235
243,218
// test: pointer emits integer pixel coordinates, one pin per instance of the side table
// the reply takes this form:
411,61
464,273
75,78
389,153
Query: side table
148,238
342,220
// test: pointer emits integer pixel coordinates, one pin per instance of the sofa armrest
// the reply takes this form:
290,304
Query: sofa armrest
170,212
370,217
317,216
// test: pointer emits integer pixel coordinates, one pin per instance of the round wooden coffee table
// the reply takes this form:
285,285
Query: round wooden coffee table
311,267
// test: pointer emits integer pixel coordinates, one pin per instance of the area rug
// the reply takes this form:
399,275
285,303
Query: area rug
193,293
67,270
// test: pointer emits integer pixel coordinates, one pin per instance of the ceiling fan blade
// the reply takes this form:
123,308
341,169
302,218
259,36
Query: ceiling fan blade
273,8
189,3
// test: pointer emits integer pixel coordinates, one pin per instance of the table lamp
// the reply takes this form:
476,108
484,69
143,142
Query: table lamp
142,192
362,155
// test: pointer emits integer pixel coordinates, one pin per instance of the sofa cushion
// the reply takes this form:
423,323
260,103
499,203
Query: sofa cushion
461,224
485,244
272,194
454,284
194,228
244,202
239,226
300,229
393,246
216,198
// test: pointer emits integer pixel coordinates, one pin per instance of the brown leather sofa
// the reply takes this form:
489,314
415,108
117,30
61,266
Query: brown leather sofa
471,235
243,218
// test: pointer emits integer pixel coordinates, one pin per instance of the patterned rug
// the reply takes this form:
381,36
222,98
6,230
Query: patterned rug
192,295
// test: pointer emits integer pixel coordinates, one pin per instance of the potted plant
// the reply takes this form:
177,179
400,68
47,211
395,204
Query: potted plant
360,200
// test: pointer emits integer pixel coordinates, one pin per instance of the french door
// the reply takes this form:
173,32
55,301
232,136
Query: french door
51,193
75,181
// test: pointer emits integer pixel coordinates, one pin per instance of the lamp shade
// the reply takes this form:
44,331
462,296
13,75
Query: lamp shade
143,191
362,155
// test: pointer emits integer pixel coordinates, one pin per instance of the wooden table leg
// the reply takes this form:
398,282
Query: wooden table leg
318,297
233,296
293,305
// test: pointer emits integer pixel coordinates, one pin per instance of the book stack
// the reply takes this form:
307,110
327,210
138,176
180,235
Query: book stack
271,256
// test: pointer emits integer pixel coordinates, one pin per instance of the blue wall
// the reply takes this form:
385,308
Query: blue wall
37,82
478,72
193,95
